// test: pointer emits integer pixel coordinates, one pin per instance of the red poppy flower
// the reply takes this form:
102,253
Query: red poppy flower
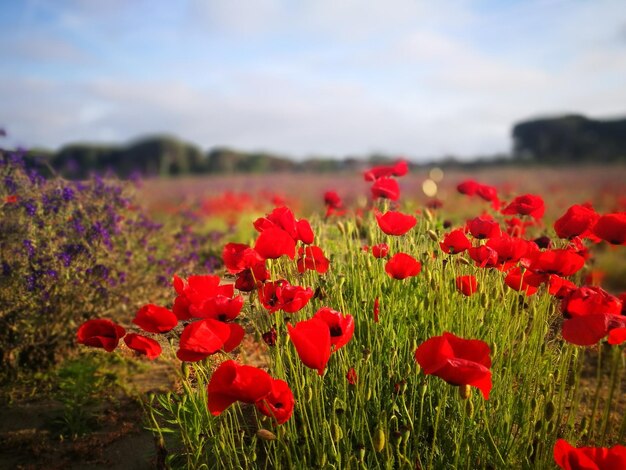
589,458
333,203
332,200
589,300
311,339
143,345
341,326
274,242
12,199
312,258
251,278
395,223
587,330
563,262
280,295
380,251
456,360
305,232
270,337
220,308
468,285
511,249
560,287
196,290
376,309
525,281
100,333
239,256
455,242
489,194
483,227
617,335
516,227
401,266
400,168
576,222
528,204
232,382
351,376
484,256
386,188
283,218
468,187
155,319
278,403
612,228
202,338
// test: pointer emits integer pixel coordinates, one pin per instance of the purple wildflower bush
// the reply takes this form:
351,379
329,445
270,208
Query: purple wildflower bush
70,251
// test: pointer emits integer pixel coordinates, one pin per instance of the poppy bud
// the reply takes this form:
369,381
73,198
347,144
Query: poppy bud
549,410
464,391
533,403
185,368
551,427
406,433
336,432
538,426
379,439
427,215
309,395
469,408
341,227
266,435
432,235
484,300
322,460
361,452
433,284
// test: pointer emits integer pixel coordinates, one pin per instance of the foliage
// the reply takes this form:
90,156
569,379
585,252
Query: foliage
76,250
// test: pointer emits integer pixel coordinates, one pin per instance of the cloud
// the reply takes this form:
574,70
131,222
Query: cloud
310,77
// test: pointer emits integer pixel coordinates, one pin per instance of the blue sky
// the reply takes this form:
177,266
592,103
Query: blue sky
307,77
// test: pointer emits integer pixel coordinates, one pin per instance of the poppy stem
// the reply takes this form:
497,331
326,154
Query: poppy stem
491,440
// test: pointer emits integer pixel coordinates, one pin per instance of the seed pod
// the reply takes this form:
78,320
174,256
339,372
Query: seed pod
465,391
379,439
549,410
266,435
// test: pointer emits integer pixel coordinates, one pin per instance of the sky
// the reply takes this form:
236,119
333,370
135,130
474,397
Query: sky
303,78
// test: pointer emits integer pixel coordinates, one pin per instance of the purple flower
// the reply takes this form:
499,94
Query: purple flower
10,184
30,249
68,194
30,207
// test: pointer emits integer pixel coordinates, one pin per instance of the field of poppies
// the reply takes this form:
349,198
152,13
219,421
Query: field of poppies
420,323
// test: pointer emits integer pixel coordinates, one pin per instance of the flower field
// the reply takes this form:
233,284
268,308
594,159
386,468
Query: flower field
380,320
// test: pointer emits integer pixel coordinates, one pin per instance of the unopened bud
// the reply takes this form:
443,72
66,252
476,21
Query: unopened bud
550,410
379,439
265,435
337,432
432,235
465,391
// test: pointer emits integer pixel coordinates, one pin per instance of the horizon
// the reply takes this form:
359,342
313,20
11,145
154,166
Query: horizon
314,79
